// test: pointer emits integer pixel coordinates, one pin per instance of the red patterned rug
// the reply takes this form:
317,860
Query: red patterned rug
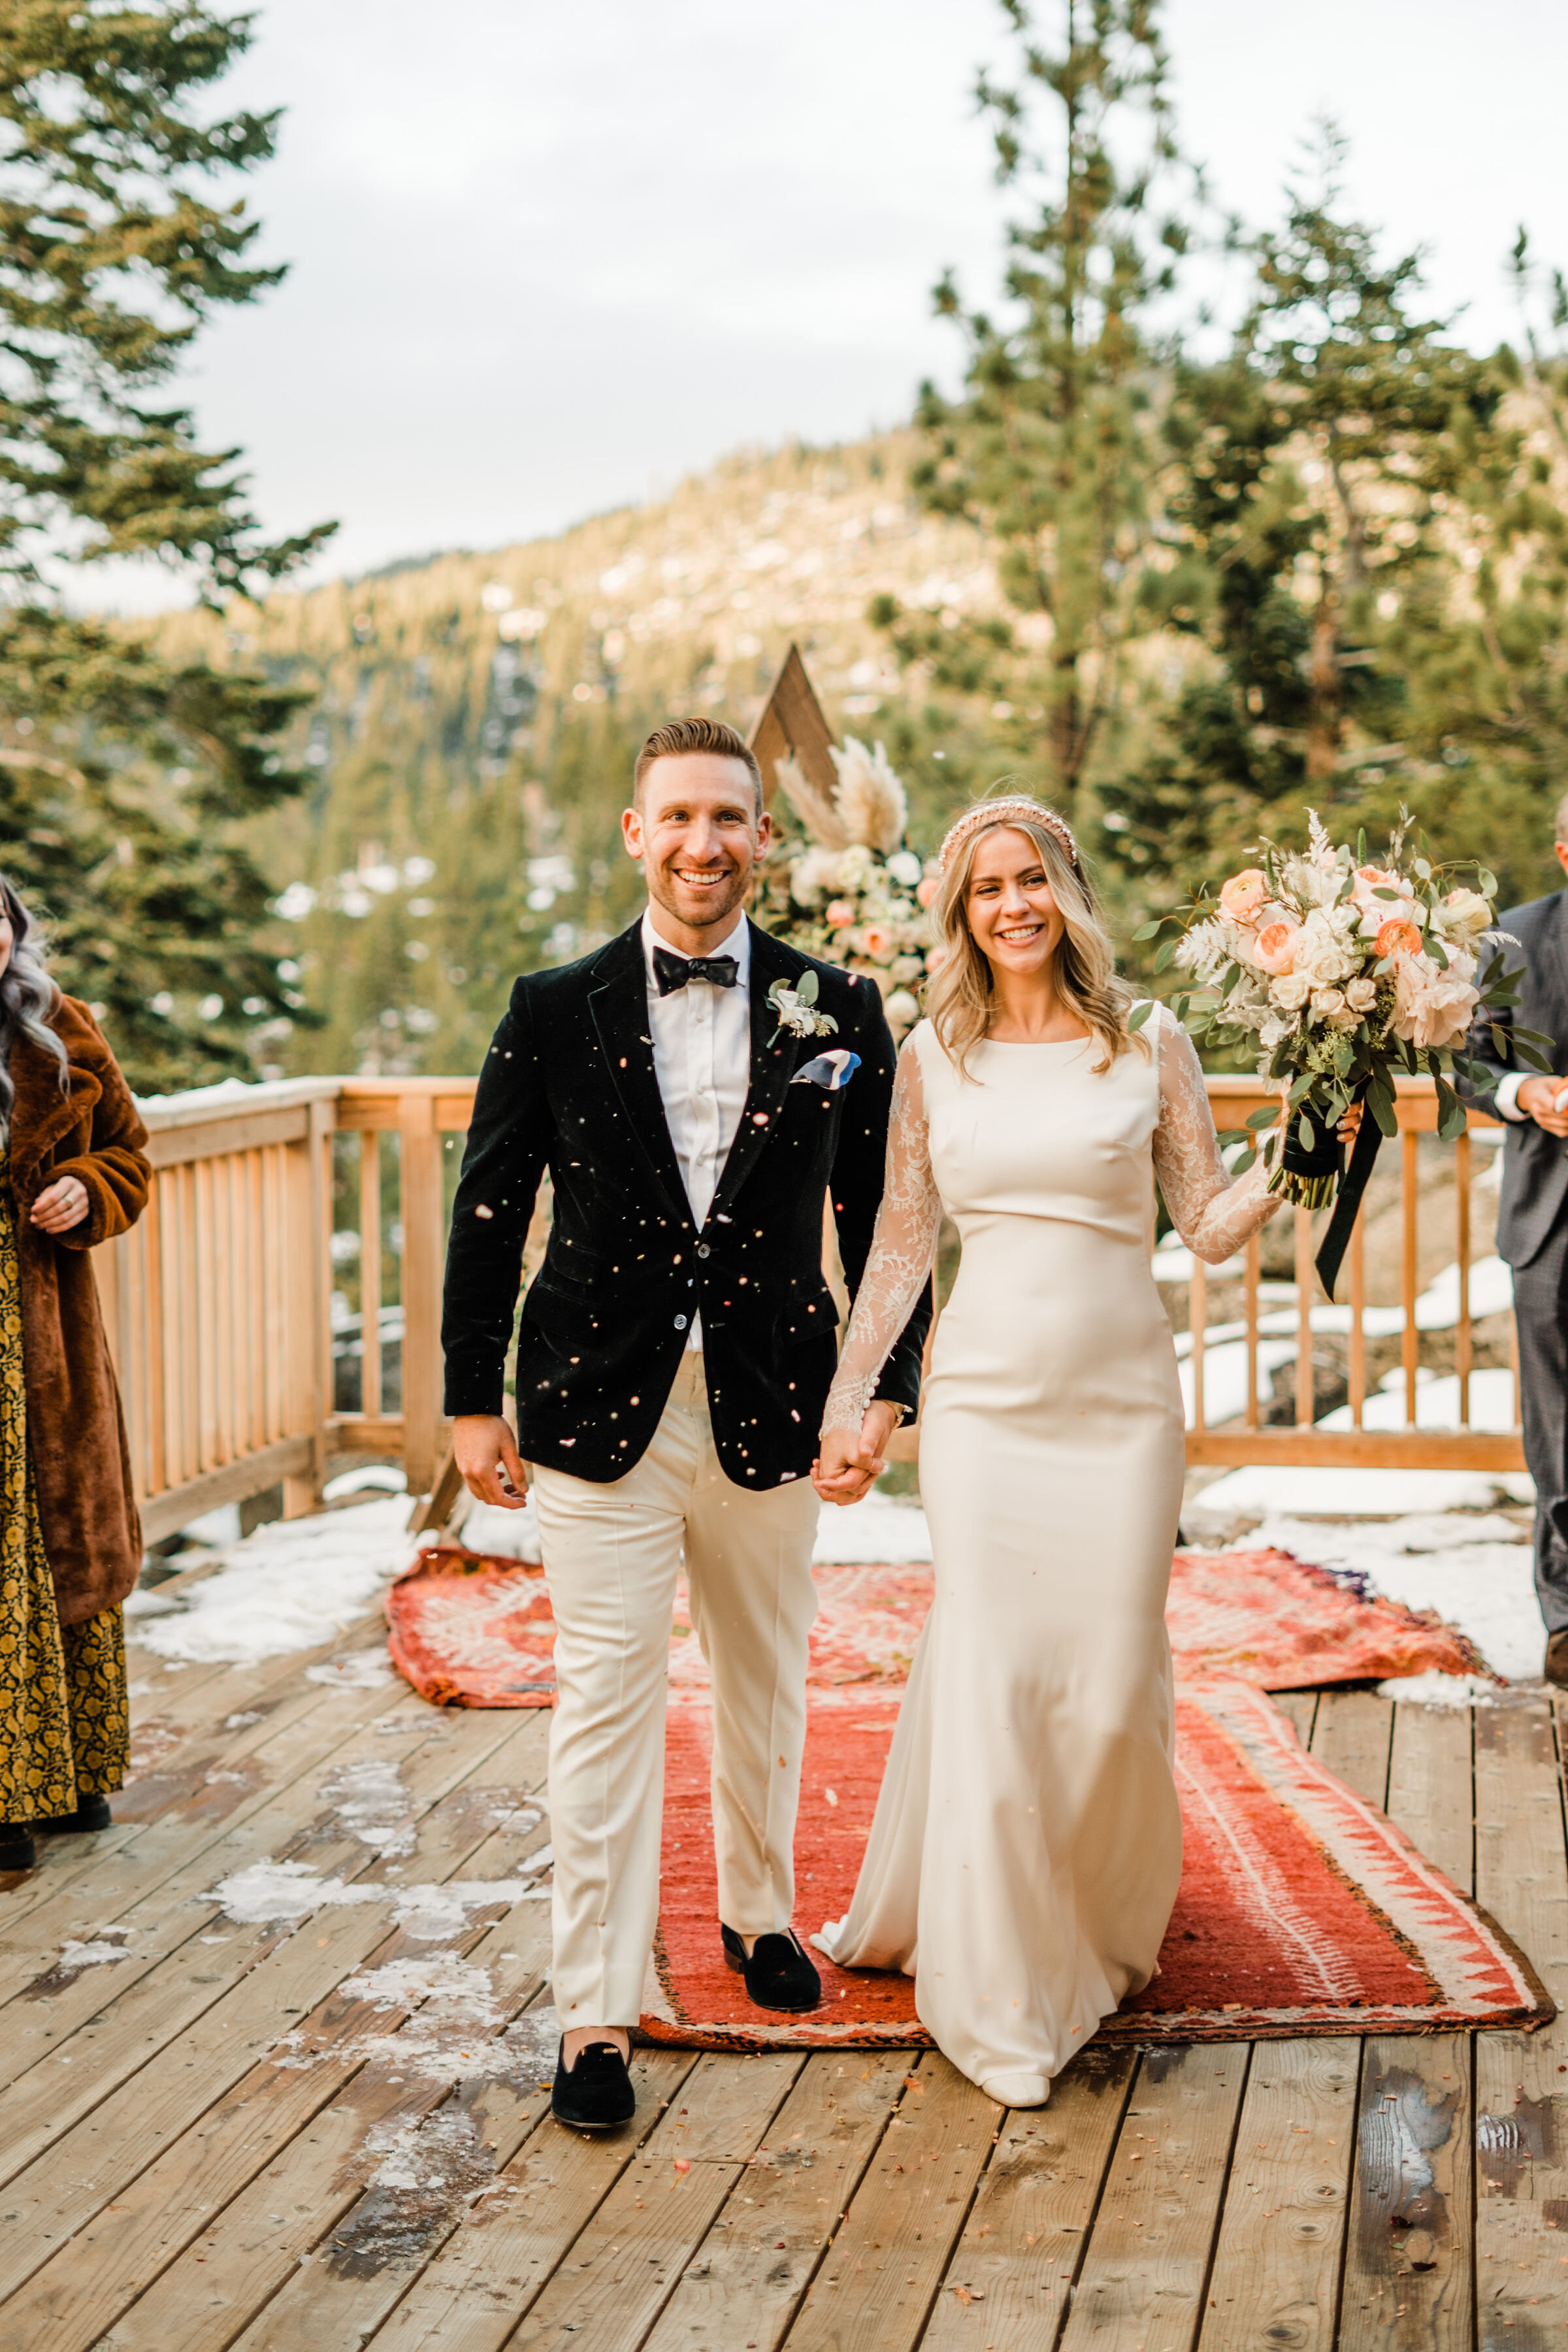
471,1631
1303,1909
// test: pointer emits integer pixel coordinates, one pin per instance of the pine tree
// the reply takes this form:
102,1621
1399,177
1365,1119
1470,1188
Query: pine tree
121,774
1317,468
1050,449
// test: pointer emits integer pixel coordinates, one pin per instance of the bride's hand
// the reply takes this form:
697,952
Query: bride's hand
1350,1126
848,1466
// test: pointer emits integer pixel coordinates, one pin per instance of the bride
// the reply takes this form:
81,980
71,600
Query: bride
1027,1841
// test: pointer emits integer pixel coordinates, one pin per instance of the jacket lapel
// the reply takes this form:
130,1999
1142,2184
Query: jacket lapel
619,1007
772,1065
41,1113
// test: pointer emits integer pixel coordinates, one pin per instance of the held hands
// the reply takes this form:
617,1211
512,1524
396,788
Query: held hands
60,1206
1538,1098
486,1452
848,1466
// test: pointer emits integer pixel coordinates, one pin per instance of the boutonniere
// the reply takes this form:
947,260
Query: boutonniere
832,1071
795,1009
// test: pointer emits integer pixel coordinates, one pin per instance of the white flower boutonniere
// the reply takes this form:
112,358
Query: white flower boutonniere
795,1009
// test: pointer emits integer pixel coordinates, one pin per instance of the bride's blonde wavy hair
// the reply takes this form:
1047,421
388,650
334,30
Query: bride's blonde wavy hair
959,999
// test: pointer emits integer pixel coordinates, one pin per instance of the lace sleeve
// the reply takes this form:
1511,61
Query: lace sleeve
903,1247
1212,1216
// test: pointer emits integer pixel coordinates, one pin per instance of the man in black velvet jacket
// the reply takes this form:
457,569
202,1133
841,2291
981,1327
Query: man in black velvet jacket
673,1359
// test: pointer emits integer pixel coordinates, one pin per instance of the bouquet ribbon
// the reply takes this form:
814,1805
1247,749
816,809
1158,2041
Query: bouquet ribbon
1353,1184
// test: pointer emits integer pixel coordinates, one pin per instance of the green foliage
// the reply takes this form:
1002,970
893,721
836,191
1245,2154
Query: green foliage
1048,451
111,256
1307,566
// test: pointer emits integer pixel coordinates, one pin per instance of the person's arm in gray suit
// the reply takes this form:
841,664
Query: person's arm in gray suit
1490,1044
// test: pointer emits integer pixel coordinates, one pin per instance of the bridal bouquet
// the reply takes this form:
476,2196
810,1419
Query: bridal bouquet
1335,976
851,892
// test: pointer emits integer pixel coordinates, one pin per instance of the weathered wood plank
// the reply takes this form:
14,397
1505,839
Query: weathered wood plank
1431,1787
1521,2079
1409,2272
1301,1706
471,2297
211,2025
1352,1735
743,2282
623,2266
875,2288
212,2169
1276,2277
1029,2229
1142,2277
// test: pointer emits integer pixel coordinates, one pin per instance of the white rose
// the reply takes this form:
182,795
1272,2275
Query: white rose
1291,991
1320,956
1461,914
1327,1002
1361,995
905,867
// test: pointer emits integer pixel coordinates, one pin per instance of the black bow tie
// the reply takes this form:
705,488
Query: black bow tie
673,971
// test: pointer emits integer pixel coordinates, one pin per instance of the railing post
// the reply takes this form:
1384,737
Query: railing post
308,1390
422,1237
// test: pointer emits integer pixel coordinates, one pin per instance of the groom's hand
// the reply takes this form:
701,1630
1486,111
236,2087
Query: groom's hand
848,1468
486,1452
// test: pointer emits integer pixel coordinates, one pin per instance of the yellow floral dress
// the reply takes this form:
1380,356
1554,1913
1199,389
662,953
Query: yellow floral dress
63,1715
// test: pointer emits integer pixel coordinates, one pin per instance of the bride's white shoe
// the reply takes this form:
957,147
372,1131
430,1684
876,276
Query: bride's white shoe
1017,2090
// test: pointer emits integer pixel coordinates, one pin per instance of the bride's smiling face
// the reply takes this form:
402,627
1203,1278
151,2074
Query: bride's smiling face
1015,918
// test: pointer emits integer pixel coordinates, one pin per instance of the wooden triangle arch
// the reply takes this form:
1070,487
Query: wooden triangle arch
793,726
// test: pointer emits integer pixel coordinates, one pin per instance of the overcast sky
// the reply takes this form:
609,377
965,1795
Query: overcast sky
547,260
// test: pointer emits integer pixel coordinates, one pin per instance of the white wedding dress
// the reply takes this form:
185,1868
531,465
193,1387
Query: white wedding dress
1027,1840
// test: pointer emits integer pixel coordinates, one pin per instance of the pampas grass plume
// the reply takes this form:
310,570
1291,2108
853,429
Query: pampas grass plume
815,810
872,808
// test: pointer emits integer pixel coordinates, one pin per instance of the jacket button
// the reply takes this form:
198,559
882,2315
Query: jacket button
680,1322
703,1249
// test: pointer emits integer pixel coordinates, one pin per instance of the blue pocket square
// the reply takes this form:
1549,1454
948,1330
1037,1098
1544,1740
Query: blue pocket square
830,1070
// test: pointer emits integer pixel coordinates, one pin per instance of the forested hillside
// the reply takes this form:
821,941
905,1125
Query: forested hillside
474,721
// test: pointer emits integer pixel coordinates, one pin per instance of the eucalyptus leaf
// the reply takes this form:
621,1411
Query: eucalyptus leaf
1166,952
805,988
1139,1014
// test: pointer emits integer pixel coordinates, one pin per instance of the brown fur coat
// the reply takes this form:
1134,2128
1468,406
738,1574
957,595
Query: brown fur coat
75,1430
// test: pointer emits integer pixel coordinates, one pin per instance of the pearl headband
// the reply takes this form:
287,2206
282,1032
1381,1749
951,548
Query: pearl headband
989,812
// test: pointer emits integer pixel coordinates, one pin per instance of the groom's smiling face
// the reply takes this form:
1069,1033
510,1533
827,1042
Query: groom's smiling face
697,831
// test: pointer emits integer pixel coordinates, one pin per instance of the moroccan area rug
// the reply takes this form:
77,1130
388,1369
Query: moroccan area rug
1303,1909
466,1630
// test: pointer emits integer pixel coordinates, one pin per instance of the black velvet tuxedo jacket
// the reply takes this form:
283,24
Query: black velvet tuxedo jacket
1535,1164
569,1084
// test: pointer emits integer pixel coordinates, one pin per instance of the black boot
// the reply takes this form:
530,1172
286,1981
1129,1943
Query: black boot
596,2093
18,1851
93,1813
778,1975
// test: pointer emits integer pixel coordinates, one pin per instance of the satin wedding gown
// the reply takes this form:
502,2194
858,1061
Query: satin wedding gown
1027,1846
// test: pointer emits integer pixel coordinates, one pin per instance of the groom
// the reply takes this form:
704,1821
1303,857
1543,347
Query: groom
673,1361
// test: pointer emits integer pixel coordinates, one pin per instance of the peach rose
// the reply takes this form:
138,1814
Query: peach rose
840,914
877,943
1243,895
1398,937
926,891
1274,948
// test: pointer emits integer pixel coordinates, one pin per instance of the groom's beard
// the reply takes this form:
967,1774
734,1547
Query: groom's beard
700,908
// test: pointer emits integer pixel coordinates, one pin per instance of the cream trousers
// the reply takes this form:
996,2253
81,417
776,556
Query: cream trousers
612,1554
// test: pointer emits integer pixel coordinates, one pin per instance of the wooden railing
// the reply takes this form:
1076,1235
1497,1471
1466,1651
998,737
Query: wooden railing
278,1304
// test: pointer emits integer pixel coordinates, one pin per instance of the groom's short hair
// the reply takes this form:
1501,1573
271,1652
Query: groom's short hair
679,736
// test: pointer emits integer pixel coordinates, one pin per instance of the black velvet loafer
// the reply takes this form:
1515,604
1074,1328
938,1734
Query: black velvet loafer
93,1813
778,1975
596,2093
18,1851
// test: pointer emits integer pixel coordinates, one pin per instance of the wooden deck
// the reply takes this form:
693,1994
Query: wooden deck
229,2136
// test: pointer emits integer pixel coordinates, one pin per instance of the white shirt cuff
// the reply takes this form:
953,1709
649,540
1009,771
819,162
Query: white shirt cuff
1508,1093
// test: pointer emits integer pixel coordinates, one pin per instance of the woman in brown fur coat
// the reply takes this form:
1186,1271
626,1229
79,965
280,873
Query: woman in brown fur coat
72,1173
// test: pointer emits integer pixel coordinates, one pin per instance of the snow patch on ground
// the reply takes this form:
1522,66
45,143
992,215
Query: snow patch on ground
361,1670
1485,1587
1439,1690
96,1954
372,1804
885,1530
273,1894
292,1585
463,1991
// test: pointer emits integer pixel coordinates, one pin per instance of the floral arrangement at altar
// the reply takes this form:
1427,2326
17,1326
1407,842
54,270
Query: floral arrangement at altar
1335,976
851,892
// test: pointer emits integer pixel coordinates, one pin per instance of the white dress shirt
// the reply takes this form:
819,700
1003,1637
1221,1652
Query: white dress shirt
1507,1095
702,1060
